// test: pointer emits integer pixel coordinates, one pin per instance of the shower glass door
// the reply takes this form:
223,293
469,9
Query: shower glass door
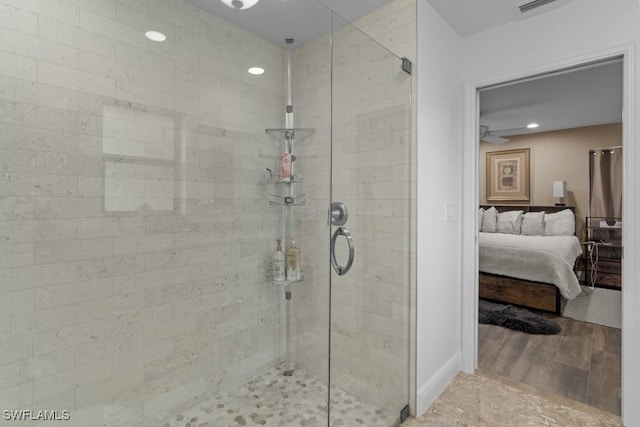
370,240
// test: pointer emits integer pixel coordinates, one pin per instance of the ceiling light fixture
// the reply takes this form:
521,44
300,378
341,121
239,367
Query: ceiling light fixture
155,36
256,71
532,125
240,4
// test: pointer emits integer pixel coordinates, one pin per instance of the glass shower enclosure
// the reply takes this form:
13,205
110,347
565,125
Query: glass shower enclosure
142,195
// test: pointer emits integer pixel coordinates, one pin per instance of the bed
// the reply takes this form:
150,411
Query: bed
530,271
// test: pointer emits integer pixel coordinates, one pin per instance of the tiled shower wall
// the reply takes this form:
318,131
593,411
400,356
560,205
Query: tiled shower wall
133,231
373,171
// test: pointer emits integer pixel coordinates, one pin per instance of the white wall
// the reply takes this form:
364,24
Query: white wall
439,181
579,31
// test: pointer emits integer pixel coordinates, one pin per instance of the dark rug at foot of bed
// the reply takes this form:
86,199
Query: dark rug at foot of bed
515,318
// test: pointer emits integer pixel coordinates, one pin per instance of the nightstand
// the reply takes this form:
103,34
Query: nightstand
602,253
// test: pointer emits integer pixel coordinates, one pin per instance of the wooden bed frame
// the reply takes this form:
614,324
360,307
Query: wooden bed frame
536,295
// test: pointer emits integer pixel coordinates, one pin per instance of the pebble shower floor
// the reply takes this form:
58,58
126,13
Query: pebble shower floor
272,399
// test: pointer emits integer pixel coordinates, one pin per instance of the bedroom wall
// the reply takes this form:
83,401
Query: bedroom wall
556,156
564,36
439,184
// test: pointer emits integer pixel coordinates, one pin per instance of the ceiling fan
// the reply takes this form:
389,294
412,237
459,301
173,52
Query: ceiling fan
487,135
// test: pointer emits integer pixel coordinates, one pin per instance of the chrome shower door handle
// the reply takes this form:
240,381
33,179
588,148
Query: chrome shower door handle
341,231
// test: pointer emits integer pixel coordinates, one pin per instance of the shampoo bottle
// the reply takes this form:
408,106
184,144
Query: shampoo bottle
293,262
285,166
278,263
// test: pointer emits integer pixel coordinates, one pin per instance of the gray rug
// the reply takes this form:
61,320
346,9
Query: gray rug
601,306
514,318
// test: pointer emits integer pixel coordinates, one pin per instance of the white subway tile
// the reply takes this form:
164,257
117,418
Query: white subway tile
30,138
56,9
144,59
71,379
17,208
15,349
68,207
76,80
107,307
140,244
16,89
16,160
22,278
14,373
70,336
145,96
16,302
37,48
34,322
18,66
90,187
108,346
17,19
104,390
48,252
105,8
20,184
104,227
111,68
110,266
51,363
68,122
18,396
74,39
112,29
73,293
22,231
74,164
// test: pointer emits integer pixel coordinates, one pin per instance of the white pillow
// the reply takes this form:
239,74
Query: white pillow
509,222
490,220
532,224
562,223
480,215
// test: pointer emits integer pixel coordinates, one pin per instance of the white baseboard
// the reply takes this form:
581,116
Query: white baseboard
429,392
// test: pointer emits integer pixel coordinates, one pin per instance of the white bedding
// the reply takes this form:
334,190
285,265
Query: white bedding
547,259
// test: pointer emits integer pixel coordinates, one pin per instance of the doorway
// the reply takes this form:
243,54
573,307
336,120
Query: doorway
471,197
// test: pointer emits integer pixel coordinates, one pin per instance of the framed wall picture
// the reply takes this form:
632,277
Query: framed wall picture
508,176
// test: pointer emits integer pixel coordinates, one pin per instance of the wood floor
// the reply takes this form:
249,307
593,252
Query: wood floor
581,363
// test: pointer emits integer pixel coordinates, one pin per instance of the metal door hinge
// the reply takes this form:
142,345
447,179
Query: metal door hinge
406,65
404,414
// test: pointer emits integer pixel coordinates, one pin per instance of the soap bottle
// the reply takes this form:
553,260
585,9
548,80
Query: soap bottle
293,262
278,263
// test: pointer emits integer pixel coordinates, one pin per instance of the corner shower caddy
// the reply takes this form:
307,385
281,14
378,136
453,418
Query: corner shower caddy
284,191
287,197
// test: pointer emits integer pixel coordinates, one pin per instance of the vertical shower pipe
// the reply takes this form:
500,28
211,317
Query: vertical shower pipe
288,210
288,140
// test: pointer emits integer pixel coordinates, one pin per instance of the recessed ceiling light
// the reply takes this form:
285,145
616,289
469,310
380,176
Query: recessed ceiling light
155,36
256,70
532,125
